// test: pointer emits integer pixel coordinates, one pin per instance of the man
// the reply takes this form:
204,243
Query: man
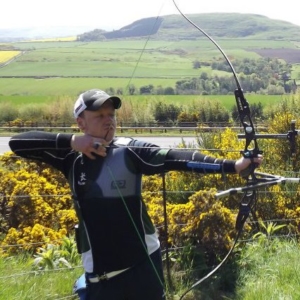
120,249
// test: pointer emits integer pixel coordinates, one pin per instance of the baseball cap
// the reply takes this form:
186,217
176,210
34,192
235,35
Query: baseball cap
92,100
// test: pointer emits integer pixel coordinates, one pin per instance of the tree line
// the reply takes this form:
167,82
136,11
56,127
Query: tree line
262,76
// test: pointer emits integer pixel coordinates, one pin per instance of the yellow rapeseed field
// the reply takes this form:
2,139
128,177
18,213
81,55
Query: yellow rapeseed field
58,39
7,55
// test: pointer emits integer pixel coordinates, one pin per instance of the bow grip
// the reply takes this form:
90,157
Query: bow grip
251,154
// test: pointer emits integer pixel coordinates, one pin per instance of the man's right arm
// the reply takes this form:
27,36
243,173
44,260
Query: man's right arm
47,147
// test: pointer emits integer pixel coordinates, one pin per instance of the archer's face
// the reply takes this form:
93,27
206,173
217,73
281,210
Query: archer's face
100,123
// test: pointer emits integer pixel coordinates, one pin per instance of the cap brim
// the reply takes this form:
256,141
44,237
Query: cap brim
116,101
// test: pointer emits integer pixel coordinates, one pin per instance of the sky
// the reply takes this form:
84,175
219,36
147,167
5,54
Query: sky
114,14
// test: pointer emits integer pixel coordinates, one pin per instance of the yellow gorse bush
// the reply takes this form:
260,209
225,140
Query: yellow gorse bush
201,219
36,206
229,144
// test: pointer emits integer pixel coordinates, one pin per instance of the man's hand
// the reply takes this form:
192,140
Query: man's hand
243,163
89,145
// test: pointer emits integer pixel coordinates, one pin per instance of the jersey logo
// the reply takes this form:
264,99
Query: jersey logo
118,184
82,179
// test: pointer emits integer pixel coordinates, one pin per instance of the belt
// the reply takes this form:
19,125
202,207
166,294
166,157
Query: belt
94,278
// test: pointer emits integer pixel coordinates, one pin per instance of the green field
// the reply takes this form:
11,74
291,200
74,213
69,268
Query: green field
228,101
49,71
296,73
70,86
129,58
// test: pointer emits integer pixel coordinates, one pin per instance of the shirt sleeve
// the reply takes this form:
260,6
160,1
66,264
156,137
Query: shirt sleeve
184,160
149,158
153,159
51,148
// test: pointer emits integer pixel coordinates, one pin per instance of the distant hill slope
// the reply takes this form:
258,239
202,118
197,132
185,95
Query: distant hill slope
225,25
232,25
171,27
22,34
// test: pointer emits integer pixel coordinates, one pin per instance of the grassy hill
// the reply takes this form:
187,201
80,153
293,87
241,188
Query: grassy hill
220,25
172,27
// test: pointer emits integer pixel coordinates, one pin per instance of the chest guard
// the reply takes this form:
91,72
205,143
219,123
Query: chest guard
107,196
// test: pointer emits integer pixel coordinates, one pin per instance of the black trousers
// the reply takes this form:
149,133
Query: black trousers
141,282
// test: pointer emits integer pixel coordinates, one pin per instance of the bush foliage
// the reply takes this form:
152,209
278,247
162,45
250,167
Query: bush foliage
36,208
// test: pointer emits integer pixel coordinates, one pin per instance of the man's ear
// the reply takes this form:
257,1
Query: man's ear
80,123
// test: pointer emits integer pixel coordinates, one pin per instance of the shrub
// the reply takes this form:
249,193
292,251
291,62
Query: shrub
8,112
37,201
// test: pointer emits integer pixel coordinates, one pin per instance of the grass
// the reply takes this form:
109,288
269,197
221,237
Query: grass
70,86
18,281
270,269
267,269
41,93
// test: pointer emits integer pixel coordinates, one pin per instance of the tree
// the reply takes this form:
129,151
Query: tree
169,91
196,64
146,89
166,112
131,89
204,76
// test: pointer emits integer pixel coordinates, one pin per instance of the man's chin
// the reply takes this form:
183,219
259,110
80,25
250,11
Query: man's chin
109,137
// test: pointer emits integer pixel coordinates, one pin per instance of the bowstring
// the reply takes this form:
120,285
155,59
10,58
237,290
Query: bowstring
133,222
109,169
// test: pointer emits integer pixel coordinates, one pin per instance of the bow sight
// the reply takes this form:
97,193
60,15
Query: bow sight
290,136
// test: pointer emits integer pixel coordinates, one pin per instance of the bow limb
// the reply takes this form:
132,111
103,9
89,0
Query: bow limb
242,103
249,197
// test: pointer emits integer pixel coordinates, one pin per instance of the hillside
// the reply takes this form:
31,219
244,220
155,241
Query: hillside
171,27
225,25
